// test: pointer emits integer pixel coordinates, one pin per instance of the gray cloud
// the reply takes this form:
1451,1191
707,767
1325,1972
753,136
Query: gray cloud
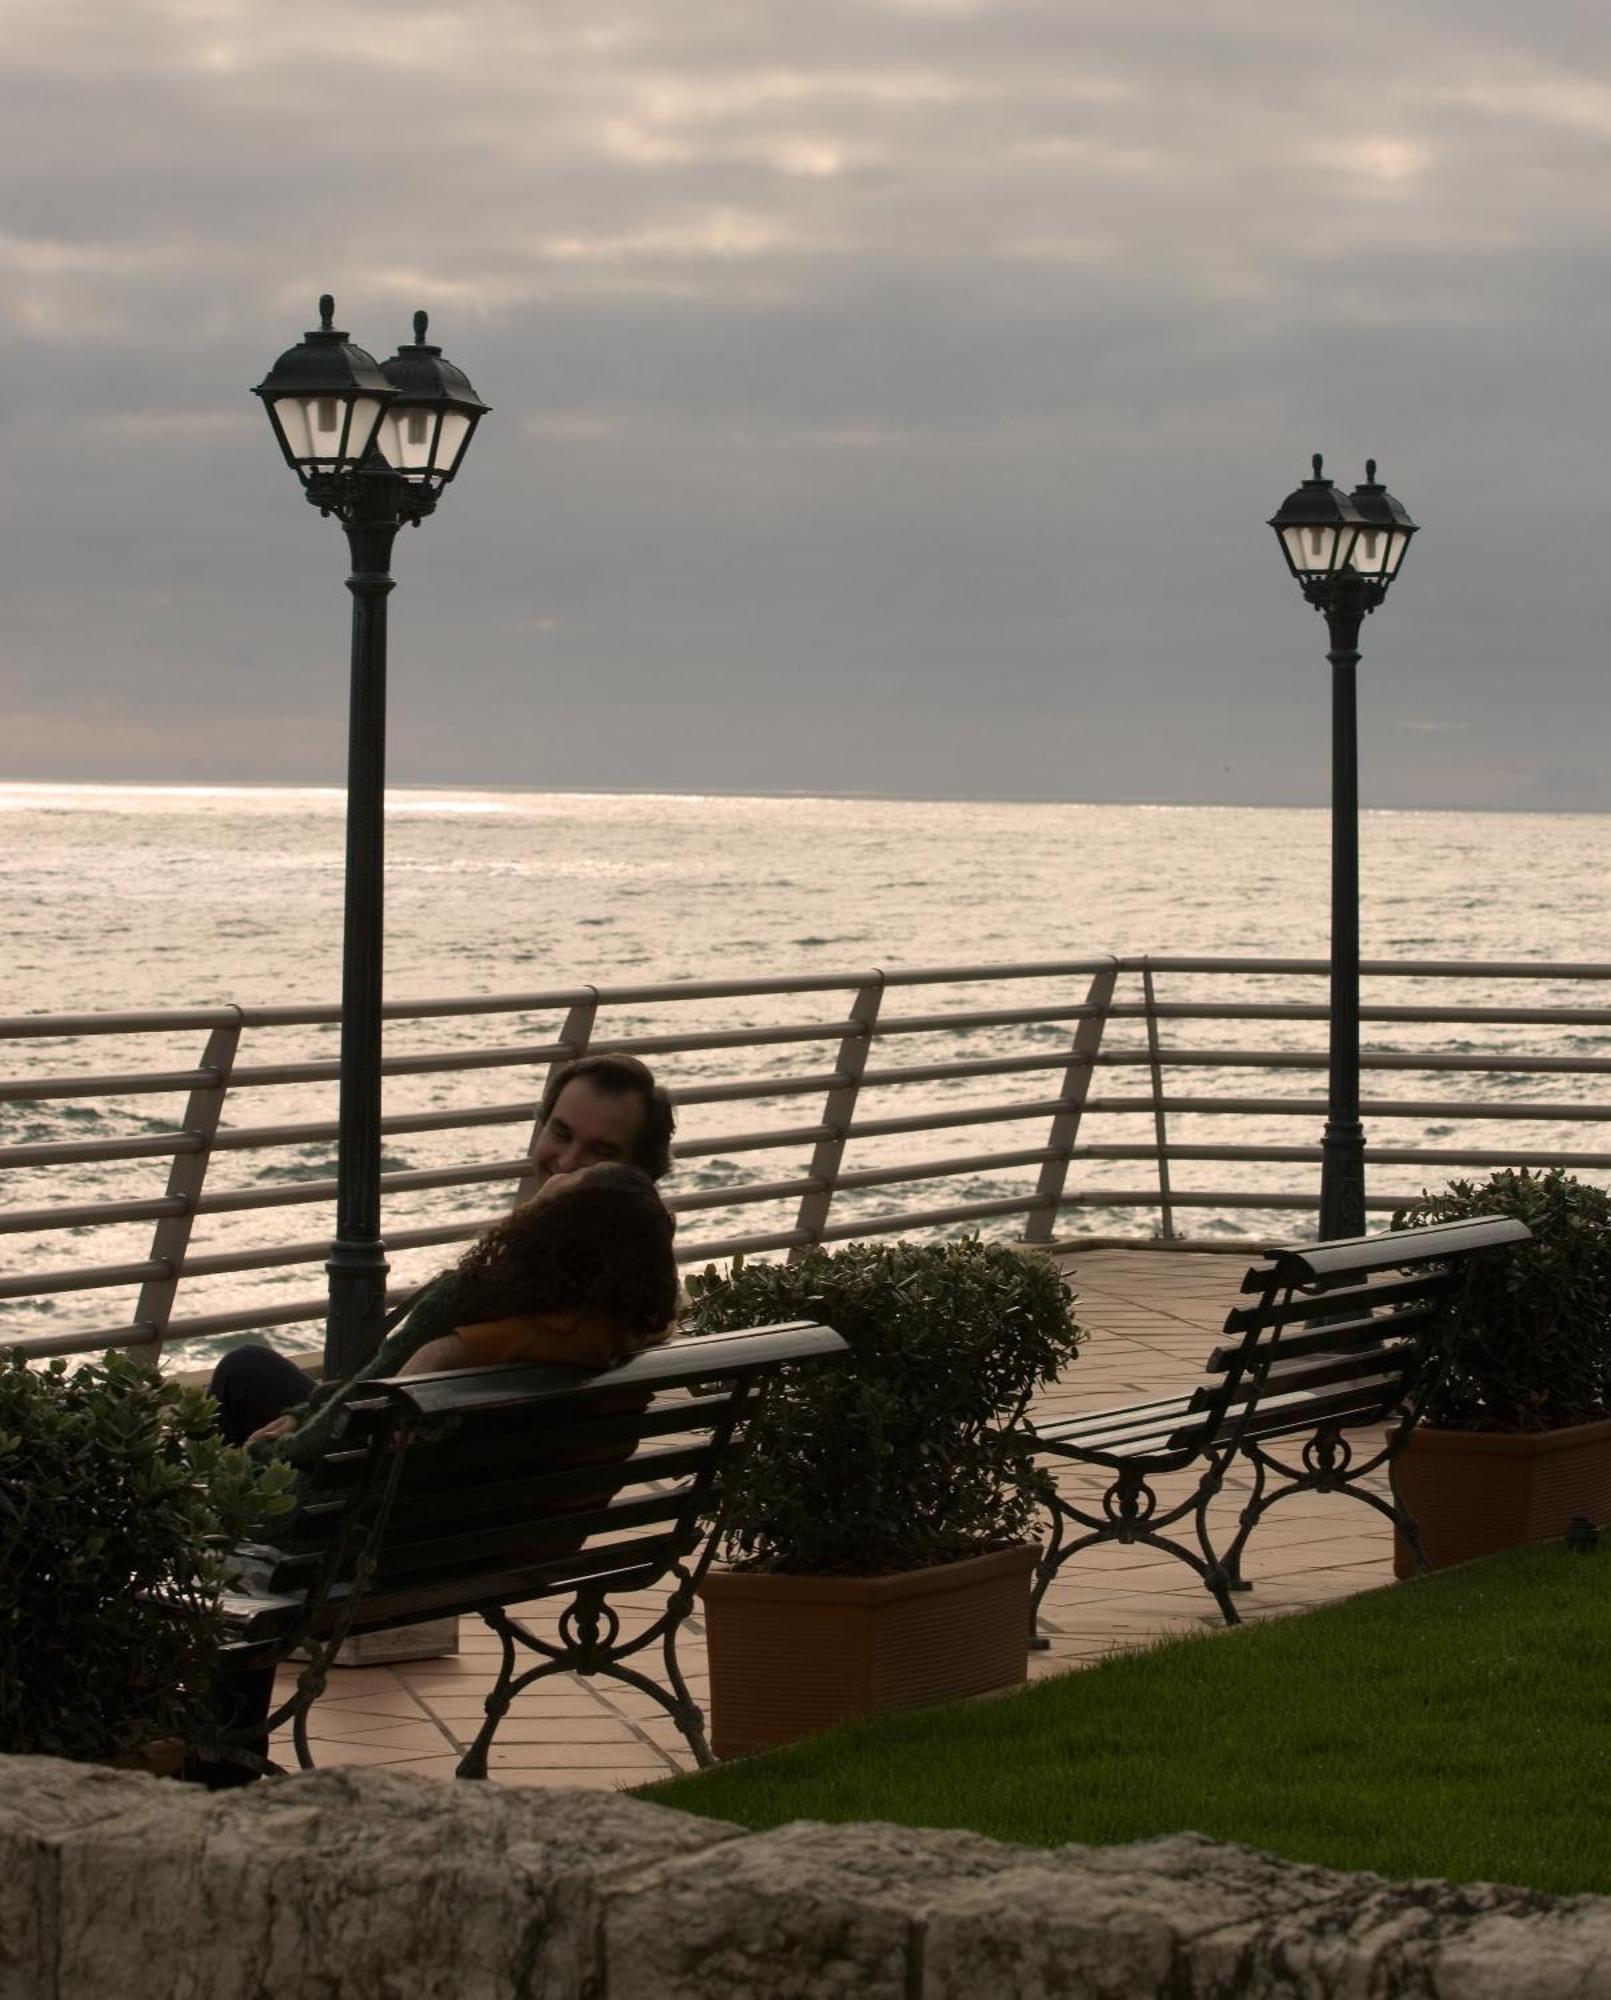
886,396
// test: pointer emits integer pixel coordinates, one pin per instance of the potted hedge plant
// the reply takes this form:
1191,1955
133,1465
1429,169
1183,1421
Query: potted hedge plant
118,1504
1516,1435
877,1527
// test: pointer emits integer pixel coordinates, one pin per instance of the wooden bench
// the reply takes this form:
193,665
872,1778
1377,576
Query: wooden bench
485,1488
1342,1337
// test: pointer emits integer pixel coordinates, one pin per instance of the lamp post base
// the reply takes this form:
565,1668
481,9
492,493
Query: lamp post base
1342,1181
357,1273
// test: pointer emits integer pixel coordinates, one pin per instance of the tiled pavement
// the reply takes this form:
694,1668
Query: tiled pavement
1151,1318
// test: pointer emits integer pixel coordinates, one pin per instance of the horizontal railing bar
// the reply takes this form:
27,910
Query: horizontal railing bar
745,1194
935,1170
1368,1059
141,1021
972,1066
558,1000
749,1089
526,1055
739,1246
136,1083
72,1152
928,1218
88,1215
748,1142
1244,1010
948,1115
994,1017
1381,1156
552,1000
1380,968
1536,1111
40,1346
291,1194
83,1278
242,1138
452,1062
1209,1198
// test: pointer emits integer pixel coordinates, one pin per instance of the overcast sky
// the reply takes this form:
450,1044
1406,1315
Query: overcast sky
888,395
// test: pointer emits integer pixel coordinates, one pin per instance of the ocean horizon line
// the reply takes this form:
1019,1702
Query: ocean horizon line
285,788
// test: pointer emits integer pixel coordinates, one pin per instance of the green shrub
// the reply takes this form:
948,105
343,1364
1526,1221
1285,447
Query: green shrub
904,1454
113,1483
1530,1343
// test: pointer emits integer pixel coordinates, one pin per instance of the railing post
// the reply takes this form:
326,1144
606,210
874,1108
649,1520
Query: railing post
1160,1125
576,1034
1041,1226
838,1113
171,1237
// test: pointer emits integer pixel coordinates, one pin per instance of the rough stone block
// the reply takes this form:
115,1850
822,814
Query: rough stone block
42,1802
1098,1923
347,1885
803,1913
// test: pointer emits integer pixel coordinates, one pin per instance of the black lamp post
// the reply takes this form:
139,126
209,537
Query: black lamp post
1344,549
373,443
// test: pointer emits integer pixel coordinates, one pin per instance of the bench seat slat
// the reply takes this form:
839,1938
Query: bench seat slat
1065,1428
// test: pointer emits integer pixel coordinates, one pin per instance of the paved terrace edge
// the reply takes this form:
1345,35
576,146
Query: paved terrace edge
351,1884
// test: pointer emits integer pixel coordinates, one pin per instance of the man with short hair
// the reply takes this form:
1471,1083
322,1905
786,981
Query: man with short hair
596,1109
600,1108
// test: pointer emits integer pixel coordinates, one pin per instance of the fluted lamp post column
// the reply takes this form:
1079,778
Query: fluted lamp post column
1345,550
373,443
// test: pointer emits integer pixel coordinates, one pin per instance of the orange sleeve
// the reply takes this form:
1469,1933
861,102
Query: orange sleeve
571,1342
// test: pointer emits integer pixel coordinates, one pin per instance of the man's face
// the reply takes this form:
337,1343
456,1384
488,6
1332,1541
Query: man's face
586,1127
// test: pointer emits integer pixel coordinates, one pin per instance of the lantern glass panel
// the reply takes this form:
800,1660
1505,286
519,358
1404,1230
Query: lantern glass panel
320,432
1398,542
408,438
456,428
1313,550
1370,551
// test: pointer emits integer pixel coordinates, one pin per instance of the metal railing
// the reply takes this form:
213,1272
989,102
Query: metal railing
1044,1052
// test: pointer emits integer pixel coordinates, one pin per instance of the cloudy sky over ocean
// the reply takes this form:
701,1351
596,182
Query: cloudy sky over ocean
887,394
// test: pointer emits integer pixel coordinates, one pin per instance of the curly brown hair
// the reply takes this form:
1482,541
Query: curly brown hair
598,1241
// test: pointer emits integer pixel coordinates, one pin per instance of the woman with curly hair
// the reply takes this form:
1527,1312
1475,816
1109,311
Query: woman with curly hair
582,1275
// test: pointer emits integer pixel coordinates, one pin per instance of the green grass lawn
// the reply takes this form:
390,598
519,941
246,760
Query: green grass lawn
1458,1726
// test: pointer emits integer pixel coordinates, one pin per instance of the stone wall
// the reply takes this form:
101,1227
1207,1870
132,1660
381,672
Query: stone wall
365,1885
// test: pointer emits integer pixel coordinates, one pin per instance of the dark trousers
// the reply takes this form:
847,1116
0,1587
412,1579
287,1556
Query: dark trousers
252,1386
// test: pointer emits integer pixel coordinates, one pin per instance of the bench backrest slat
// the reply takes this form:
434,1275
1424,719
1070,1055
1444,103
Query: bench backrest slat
1374,1294
1316,1264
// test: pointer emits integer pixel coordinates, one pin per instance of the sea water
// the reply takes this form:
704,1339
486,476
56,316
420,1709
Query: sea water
123,897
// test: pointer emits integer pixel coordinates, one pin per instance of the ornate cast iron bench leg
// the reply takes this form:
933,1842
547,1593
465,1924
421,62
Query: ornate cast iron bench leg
589,1636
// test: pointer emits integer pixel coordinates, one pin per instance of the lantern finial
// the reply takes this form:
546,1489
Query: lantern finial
1370,472
327,312
1317,461
421,322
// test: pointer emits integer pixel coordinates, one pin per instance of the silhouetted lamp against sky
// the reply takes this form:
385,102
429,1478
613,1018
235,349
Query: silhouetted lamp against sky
1345,550
374,443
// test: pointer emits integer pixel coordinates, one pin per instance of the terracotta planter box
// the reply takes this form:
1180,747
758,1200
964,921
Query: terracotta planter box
1474,1493
792,1655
